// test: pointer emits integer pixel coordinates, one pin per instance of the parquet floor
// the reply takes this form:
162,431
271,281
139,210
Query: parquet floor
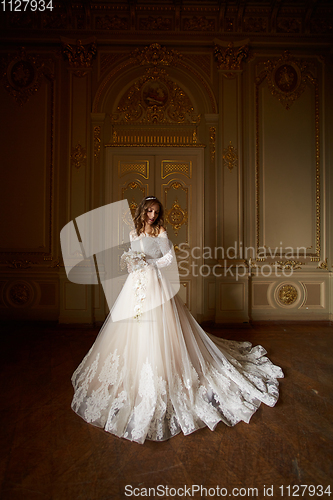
49,453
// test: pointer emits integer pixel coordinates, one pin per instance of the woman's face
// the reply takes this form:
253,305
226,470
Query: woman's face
152,214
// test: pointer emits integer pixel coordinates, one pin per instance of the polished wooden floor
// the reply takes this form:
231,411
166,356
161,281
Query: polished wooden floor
48,452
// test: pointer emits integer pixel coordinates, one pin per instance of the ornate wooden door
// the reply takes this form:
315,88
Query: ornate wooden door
175,176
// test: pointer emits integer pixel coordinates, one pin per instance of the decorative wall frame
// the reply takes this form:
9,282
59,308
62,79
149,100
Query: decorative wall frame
22,75
287,78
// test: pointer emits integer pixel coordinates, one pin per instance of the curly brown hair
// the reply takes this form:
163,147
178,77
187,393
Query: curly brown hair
140,215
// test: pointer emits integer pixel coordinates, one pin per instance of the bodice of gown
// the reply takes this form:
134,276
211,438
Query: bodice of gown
158,250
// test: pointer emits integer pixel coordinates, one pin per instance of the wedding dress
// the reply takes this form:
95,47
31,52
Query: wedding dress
158,373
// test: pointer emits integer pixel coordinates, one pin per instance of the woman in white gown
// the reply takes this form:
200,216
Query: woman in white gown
158,373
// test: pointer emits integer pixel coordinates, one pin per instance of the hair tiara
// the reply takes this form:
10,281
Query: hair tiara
151,198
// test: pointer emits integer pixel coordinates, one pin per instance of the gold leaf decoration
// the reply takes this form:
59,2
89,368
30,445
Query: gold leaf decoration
155,55
230,58
289,264
80,56
78,156
287,295
176,216
230,156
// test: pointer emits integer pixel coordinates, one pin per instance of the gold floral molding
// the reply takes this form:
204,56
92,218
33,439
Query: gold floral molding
230,156
287,295
212,137
230,58
80,56
155,55
78,156
289,265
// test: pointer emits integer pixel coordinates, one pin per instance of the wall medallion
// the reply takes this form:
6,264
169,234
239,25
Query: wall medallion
286,78
287,295
23,76
19,294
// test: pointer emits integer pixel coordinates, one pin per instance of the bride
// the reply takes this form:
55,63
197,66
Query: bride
158,373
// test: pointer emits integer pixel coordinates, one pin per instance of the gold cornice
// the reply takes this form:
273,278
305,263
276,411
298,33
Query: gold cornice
146,144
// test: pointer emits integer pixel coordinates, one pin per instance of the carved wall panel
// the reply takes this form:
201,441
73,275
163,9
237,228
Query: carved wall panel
27,144
288,158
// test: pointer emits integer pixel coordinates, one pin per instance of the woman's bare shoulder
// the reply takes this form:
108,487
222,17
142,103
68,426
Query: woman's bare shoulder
162,230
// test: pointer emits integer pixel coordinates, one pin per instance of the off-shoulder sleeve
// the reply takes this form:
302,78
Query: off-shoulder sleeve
166,249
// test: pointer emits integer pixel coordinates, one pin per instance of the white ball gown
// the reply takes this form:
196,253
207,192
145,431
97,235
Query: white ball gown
158,373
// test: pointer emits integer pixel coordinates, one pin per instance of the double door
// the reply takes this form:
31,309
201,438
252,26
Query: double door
175,177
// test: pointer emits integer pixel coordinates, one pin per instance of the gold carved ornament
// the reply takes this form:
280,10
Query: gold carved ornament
78,156
80,56
199,23
97,144
323,265
287,295
212,148
176,216
23,75
230,156
155,111
230,59
155,99
289,265
155,55
20,294
286,78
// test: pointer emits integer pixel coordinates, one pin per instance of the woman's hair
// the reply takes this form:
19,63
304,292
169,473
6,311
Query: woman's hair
140,216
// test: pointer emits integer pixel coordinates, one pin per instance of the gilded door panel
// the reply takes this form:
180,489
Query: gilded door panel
133,178
177,180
